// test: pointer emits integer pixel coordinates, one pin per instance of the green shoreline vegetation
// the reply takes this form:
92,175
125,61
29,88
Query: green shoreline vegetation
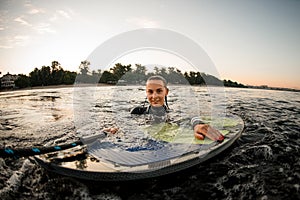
56,76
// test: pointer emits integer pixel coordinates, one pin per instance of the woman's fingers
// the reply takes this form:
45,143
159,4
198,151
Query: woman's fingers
202,130
199,136
111,130
106,129
214,134
210,134
114,130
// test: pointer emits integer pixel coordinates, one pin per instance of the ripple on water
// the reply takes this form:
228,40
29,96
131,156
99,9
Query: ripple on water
263,164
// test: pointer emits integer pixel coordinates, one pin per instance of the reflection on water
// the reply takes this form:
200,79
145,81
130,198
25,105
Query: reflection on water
263,164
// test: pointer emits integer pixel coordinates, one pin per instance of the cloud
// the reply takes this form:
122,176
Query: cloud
30,23
22,21
36,11
62,14
5,47
9,42
20,40
33,10
44,28
143,22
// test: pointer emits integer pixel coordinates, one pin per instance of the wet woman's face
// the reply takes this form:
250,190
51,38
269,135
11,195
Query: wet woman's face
156,92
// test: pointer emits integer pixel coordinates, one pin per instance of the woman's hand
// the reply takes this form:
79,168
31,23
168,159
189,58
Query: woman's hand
204,130
111,130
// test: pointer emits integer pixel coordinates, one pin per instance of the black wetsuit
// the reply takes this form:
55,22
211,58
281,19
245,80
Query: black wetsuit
159,114
150,110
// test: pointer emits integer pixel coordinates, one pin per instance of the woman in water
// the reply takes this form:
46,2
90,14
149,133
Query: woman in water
157,91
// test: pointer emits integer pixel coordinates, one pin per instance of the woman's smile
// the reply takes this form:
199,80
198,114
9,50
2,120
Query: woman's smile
156,92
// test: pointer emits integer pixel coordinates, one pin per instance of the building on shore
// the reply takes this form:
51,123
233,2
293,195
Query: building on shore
8,80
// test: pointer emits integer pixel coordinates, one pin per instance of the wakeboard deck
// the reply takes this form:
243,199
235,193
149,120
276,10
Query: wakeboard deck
102,161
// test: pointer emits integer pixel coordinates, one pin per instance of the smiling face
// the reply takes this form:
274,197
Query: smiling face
156,92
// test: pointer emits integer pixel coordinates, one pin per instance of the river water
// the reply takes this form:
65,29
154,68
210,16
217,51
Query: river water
263,164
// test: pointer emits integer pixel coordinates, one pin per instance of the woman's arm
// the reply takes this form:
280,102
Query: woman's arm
202,130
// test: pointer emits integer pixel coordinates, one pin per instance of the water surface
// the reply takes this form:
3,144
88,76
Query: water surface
263,164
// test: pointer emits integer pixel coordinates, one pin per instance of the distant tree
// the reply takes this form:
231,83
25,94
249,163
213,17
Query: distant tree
175,76
119,70
199,79
196,78
35,78
156,70
55,65
96,76
84,67
69,77
56,73
229,83
58,78
45,75
22,81
191,77
136,75
211,80
108,77
84,75
140,69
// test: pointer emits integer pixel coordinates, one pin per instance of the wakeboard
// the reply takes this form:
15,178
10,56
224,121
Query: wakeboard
170,149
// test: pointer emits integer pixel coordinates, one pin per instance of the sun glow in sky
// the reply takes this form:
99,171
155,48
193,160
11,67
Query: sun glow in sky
252,42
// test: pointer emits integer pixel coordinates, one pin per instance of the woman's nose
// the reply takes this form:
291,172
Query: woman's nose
154,94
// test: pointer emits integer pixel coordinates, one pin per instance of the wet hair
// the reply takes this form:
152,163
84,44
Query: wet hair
160,78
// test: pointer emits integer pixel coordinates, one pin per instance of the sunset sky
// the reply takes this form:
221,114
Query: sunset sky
253,42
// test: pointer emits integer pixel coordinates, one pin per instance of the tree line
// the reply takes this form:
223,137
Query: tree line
56,75
46,75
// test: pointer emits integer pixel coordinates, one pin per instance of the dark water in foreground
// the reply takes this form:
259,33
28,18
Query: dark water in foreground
263,164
